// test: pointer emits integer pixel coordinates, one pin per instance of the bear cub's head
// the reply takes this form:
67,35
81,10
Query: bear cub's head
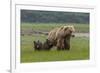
37,45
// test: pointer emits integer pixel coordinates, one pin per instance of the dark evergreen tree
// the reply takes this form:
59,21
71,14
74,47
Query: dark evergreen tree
53,17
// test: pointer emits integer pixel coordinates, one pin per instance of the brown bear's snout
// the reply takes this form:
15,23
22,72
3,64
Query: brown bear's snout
73,35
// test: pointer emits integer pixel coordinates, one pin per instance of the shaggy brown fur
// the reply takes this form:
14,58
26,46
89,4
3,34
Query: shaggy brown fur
60,37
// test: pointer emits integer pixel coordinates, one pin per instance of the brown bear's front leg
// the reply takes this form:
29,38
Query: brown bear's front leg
67,44
60,44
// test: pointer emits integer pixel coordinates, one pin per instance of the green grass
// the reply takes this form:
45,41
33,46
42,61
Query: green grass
50,26
79,50
79,45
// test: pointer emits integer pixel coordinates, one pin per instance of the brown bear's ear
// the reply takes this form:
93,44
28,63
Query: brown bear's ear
61,28
66,28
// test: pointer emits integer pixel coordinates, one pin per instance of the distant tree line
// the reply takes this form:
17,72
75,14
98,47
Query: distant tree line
53,17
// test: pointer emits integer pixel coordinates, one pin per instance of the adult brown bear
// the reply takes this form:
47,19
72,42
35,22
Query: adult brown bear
60,37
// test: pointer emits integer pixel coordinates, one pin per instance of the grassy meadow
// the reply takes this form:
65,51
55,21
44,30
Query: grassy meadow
79,45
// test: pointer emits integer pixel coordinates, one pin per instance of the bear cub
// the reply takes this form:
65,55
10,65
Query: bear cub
47,45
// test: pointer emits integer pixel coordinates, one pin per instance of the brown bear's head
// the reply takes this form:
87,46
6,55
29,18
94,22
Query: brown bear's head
68,30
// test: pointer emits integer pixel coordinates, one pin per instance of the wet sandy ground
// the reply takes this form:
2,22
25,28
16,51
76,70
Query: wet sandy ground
82,34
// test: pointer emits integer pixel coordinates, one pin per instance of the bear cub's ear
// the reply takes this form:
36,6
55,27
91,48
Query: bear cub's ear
38,41
34,42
